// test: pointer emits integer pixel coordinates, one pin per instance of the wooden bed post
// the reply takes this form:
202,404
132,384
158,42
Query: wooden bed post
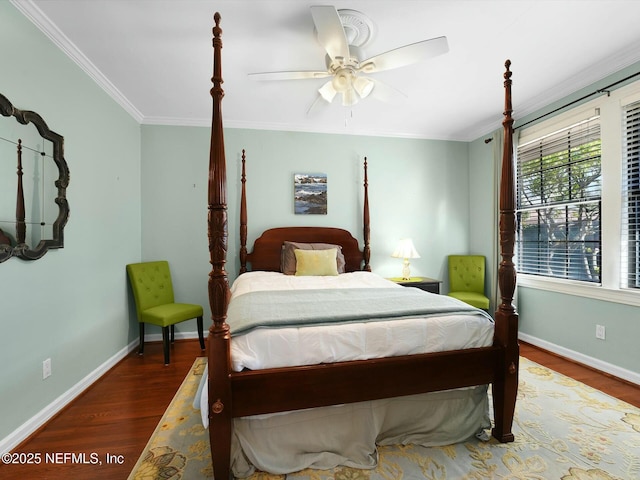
243,219
506,334
220,419
366,252
21,226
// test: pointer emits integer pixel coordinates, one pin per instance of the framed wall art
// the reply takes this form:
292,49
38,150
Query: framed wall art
310,193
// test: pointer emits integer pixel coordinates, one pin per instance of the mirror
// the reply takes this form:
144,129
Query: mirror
33,180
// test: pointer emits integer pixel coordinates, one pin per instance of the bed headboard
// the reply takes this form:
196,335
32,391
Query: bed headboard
267,249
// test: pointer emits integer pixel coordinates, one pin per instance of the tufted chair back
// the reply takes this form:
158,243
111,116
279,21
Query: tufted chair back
151,284
466,279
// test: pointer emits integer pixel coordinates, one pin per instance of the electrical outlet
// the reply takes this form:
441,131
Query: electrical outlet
46,368
600,332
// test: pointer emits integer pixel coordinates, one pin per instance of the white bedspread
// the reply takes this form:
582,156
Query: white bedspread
272,348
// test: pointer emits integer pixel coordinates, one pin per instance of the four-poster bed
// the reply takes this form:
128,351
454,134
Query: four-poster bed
236,394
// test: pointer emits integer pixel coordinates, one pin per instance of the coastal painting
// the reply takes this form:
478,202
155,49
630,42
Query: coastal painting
310,193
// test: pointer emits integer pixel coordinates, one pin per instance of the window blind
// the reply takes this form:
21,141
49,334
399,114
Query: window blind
559,203
630,264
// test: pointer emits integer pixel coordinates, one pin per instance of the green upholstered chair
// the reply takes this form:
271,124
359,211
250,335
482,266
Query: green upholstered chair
466,280
153,293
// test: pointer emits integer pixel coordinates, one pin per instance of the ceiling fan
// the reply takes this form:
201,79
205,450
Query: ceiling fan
343,33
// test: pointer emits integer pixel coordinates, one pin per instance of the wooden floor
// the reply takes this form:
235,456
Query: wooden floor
115,417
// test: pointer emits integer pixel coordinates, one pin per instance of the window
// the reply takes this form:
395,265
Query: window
630,265
559,203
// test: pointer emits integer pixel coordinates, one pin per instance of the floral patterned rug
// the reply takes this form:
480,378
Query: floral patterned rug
564,430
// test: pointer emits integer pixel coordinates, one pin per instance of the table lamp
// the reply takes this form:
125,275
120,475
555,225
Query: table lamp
405,250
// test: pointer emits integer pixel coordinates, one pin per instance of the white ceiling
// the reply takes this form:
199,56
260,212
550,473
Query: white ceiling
155,58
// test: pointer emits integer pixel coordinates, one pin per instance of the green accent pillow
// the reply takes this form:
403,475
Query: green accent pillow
316,262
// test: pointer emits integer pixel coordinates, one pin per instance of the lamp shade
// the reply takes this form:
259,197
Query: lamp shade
405,249
363,86
328,92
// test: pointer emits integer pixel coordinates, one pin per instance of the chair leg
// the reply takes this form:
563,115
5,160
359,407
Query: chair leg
173,333
201,332
165,344
141,347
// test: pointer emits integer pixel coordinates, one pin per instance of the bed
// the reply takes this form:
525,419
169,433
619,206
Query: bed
351,388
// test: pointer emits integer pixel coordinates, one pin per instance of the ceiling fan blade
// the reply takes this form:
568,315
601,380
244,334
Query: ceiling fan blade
317,104
289,75
407,55
388,94
330,31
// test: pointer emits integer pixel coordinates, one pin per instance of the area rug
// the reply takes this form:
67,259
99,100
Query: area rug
564,430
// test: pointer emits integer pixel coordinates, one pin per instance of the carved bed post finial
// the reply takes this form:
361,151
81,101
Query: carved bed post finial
366,253
243,218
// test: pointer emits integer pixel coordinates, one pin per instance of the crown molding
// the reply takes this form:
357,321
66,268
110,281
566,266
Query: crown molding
46,26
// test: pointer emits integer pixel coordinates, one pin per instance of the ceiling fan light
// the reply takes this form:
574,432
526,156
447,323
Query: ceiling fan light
342,80
363,86
327,92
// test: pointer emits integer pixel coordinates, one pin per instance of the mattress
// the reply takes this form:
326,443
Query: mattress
310,345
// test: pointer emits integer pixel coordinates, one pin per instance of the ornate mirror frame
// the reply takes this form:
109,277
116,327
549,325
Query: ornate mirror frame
21,249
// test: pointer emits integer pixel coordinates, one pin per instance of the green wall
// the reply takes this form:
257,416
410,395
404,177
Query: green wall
483,208
417,188
570,322
71,305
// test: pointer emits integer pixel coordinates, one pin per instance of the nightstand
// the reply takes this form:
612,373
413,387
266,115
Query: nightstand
424,283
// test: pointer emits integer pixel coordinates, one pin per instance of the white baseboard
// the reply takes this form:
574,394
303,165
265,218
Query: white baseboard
606,367
43,416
